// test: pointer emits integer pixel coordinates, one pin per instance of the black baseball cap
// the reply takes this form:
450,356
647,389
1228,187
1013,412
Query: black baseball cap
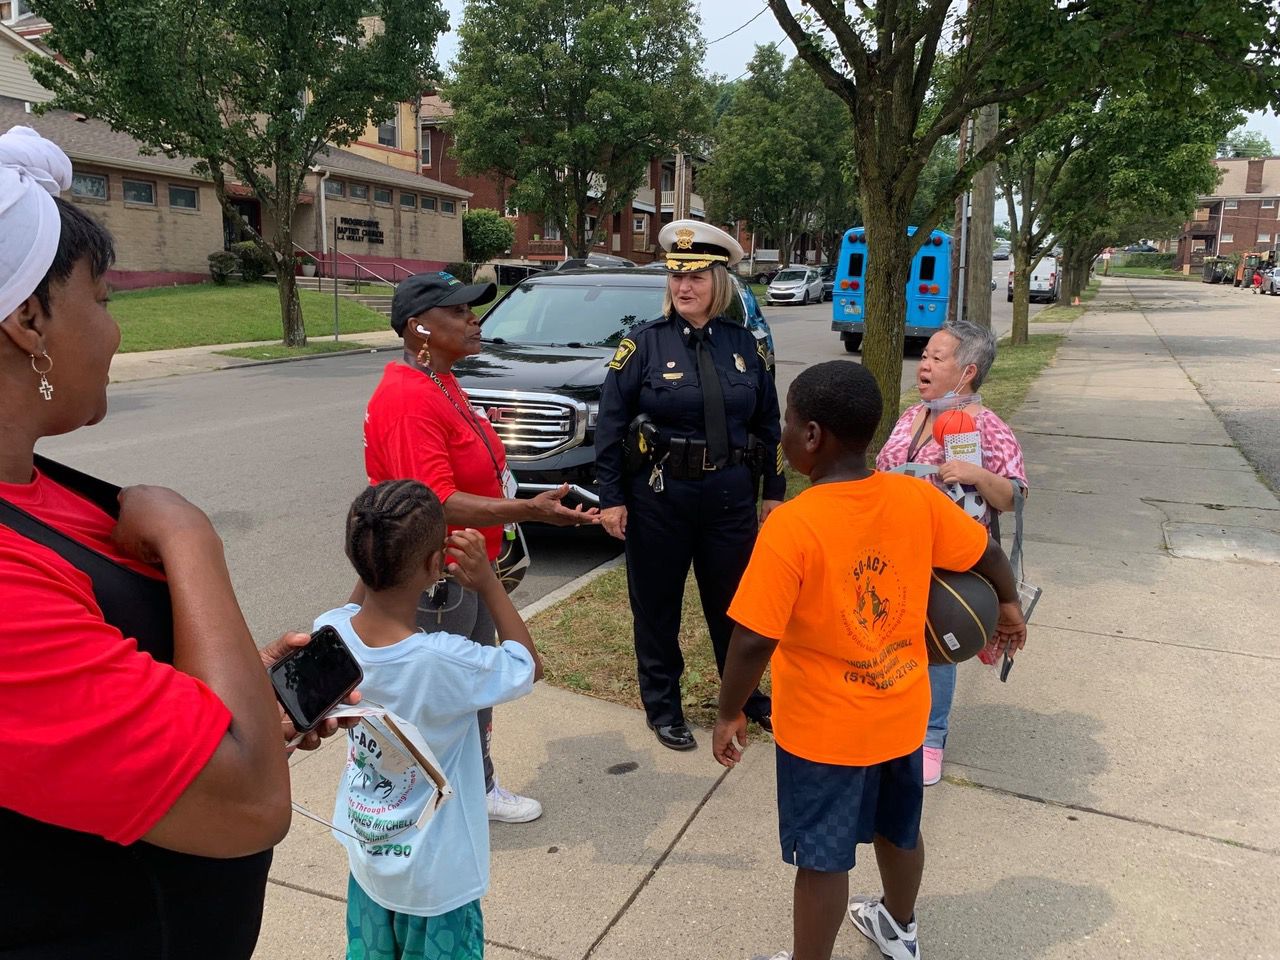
422,291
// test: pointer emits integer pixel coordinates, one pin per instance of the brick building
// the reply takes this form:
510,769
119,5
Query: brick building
369,201
1240,217
668,193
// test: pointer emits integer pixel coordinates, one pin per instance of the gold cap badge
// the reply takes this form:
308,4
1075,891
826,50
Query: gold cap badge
684,239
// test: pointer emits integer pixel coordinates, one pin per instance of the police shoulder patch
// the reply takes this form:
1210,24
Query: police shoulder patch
620,357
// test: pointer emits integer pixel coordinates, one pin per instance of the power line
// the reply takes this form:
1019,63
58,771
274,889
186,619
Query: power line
743,27
748,70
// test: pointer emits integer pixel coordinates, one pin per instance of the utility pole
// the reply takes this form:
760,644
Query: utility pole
958,234
982,223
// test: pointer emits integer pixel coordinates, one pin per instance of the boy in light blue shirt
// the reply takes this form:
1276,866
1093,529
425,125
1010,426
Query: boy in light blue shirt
415,894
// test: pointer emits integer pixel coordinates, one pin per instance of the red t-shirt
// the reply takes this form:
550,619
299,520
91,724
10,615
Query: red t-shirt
413,432
98,737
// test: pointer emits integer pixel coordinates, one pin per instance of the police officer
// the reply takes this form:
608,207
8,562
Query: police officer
688,409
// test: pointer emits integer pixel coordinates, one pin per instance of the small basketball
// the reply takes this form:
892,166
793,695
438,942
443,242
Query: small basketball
961,616
952,421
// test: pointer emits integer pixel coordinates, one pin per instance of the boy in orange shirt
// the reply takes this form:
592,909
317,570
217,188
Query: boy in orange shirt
835,594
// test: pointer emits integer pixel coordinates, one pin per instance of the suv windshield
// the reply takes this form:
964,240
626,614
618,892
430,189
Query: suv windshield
790,276
572,314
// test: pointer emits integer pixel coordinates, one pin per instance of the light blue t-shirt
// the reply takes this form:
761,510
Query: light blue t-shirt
436,681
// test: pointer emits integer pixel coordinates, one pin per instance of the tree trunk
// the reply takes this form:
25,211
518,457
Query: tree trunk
1021,301
981,223
888,268
295,332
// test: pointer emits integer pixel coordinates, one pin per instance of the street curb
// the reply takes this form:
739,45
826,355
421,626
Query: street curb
354,351
530,610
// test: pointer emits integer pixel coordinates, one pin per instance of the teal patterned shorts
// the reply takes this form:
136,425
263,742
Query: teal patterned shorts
375,933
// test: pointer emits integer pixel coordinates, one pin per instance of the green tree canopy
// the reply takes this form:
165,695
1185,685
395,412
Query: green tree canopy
888,59
571,100
485,235
781,155
1243,142
252,89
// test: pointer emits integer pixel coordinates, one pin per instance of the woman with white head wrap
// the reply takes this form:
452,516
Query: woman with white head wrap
142,779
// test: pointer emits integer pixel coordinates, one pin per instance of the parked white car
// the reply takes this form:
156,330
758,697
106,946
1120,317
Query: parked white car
795,285
1045,281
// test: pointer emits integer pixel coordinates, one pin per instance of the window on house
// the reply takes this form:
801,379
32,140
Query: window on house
1228,238
449,206
140,191
1231,204
382,195
335,188
426,148
668,180
591,224
639,224
510,210
550,231
428,203
359,191
89,186
1264,238
389,133
409,201
184,198
465,206
1269,204
11,10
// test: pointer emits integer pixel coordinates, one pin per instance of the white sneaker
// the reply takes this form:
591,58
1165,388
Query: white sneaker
509,807
780,955
874,922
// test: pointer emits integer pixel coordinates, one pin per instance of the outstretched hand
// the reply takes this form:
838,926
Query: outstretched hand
546,507
1011,629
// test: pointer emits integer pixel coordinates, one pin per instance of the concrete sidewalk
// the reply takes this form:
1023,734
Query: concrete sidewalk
1115,799
149,364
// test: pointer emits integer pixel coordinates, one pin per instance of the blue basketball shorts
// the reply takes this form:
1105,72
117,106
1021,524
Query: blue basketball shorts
825,810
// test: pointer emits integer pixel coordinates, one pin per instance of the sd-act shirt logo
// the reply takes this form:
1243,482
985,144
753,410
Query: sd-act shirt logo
873,604
383,785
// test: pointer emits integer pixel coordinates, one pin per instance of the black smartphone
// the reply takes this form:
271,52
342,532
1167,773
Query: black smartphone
314,679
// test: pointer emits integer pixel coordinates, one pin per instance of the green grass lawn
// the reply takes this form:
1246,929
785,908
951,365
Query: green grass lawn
194,315
278,351
586,640
1152,273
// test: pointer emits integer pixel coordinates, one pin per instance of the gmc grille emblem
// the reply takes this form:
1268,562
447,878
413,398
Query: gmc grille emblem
501,414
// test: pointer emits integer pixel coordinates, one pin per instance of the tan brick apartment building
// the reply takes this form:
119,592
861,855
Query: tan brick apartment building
669,193
379,213
1242,216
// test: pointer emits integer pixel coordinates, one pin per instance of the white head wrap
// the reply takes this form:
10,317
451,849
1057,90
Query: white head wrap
33,171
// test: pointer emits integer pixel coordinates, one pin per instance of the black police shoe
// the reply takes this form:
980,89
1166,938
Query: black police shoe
675,736
766,722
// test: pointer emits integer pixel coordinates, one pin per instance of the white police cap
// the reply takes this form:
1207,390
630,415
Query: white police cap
692,245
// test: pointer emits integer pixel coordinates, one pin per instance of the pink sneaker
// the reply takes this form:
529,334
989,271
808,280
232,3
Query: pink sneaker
932,765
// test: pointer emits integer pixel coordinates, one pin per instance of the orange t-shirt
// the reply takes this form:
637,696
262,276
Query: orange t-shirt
840,577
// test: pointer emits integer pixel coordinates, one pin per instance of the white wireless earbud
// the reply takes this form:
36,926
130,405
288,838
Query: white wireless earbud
422,330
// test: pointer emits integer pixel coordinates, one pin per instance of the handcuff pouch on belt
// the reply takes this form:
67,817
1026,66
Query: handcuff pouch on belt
687,459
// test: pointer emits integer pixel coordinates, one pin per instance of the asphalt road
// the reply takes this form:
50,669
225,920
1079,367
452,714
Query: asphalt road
273,454
803,335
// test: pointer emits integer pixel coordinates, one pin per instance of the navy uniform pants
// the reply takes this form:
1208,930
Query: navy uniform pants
710,523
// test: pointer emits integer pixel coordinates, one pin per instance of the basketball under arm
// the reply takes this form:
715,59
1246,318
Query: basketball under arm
994,565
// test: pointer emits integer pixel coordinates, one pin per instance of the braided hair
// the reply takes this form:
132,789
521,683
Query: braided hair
391,528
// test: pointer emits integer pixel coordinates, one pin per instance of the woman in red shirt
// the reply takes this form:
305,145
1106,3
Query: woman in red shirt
143,780
420,425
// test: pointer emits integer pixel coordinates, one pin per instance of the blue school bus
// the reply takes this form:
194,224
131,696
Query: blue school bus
928,288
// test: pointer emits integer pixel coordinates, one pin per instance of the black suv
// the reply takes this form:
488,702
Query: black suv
547,346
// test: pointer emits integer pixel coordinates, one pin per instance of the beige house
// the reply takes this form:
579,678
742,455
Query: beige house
357,215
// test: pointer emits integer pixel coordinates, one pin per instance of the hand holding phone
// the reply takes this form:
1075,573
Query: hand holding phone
312,680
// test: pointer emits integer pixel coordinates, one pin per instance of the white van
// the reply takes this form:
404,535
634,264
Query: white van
1045,281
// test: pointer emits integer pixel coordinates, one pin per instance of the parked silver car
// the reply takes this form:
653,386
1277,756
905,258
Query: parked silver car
795,285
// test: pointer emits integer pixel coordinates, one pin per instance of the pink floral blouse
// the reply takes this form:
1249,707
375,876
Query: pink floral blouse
1001,452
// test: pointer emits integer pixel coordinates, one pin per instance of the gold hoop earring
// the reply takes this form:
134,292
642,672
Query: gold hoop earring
45,388
424,355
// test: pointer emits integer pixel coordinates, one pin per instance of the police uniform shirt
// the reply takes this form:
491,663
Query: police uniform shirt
655,371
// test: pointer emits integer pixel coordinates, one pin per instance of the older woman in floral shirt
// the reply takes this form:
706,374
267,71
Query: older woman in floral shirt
954,364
